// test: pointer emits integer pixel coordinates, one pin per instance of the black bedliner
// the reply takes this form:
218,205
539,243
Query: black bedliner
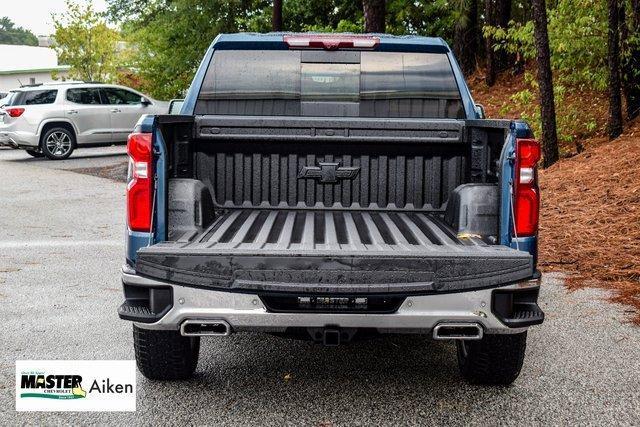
336,252
333,205
329,129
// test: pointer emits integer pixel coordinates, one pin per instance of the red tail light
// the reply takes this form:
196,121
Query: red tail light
140,182
331,42
527,196
14,112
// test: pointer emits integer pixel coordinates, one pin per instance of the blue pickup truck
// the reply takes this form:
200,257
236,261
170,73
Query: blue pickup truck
331,187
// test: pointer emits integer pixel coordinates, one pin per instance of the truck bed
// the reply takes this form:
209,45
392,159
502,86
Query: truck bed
305,205
332,251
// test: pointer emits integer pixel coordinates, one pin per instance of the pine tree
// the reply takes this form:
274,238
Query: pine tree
545,82
490,55
466,40
276,20
630,67
374,15
615,99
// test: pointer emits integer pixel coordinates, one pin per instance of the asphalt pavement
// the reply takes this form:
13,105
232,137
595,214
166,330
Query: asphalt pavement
61,248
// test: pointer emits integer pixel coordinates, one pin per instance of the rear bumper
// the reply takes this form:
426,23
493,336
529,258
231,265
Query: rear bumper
18,139
246,311
6,140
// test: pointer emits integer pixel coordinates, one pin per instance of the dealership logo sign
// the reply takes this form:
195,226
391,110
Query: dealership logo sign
52,386
75,385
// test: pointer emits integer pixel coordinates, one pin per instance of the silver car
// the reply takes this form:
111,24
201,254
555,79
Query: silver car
52,120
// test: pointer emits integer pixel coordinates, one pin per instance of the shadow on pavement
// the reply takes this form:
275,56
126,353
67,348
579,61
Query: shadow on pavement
115,172
29,159
246,369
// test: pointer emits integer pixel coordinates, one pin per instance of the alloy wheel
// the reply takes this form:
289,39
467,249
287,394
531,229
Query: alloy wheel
58,143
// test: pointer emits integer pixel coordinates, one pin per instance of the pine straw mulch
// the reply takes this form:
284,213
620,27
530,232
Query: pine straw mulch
590,218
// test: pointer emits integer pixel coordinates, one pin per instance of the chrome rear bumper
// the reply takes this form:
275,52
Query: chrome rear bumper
246,312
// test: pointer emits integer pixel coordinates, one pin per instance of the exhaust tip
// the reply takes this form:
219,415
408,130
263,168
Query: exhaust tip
458,331
204,328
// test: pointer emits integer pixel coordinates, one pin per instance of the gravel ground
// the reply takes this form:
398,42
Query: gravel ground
60,253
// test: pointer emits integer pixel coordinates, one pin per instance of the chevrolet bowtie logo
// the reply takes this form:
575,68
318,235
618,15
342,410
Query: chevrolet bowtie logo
328,173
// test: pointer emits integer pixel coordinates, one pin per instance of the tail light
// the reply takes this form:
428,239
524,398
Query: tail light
14,112
526,194
331,42
140,182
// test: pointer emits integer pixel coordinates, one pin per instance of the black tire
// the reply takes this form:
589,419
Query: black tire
34,153
58,143
165,355
495,359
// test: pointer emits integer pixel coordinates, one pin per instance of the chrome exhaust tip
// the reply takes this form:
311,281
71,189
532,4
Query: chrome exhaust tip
458,331
205,328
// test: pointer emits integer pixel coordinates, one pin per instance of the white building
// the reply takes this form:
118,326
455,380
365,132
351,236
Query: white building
24,65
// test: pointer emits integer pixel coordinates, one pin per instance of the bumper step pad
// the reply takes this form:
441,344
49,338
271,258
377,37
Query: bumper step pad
525,316
137,313
517,308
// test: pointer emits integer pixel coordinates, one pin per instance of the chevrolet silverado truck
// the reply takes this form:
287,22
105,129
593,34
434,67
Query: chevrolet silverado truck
331,187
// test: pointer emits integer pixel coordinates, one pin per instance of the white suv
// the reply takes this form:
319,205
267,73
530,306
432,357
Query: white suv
52,120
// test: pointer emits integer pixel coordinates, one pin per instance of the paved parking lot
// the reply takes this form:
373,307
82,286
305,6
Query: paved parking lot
60,253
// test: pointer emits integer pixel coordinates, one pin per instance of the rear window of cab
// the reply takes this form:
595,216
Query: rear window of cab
330,83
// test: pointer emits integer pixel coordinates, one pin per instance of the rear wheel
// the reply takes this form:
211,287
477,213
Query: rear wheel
165,355
58,143
495,359
34,153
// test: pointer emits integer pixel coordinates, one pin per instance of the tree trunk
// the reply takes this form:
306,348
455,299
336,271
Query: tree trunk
547,106
631,61
489,15
466,38
374,15
276,19
503,15
615,100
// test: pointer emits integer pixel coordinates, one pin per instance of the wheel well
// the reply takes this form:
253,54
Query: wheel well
52,125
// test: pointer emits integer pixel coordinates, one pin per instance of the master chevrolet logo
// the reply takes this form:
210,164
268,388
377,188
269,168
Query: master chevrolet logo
75,385
328,172
52,386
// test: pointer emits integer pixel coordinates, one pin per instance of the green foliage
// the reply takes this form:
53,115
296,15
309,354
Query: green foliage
310,15
85,42
435,18
577,39
344,26
578,43
573,120
170,37
10,34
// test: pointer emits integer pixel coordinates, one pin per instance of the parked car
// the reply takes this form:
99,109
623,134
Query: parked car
52,120
5,98
175,105
331,187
